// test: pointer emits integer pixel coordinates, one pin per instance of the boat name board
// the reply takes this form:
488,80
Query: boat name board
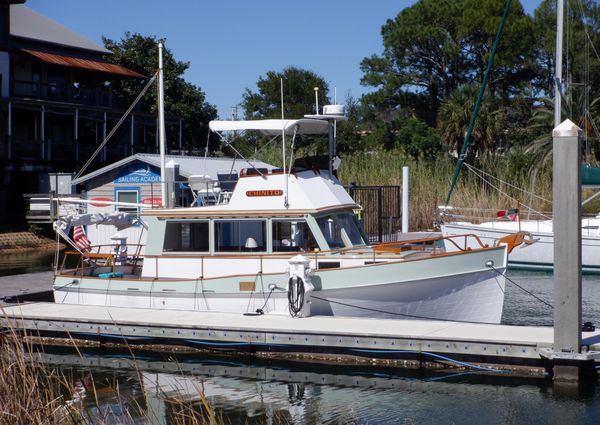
272,192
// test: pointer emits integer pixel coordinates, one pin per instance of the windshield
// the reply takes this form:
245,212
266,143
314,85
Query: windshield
341,230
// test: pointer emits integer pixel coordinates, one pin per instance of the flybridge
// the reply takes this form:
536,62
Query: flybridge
307,190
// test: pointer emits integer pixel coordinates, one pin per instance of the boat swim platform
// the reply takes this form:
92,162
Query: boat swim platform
319,335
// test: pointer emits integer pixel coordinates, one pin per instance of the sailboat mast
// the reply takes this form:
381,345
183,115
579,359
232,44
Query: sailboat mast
285,200
161,125
558,60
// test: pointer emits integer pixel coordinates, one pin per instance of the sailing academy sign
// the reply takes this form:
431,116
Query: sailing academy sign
137,173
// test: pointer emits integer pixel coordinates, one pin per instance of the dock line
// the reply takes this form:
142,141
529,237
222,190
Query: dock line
438,356
491,266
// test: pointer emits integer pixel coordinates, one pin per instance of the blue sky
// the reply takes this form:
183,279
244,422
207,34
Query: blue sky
230,44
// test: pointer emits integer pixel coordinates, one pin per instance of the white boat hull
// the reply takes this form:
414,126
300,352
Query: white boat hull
453,287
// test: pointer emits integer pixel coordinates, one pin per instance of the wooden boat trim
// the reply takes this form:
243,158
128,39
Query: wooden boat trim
214,213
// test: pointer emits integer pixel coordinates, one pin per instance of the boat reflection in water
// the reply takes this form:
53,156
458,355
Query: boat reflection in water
263,391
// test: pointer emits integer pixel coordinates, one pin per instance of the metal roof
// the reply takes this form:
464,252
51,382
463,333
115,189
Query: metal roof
73,62
26,23
188,165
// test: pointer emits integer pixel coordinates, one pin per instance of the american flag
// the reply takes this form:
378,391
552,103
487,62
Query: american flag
81,240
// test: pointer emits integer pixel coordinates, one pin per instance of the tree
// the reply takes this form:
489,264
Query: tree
454,117
581,34
298,94
182,99
435,46
418,140
421,55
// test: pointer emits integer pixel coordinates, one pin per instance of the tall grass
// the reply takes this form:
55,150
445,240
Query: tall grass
430,182
509,181
33,393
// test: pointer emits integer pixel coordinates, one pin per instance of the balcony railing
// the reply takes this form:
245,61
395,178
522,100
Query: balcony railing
62,93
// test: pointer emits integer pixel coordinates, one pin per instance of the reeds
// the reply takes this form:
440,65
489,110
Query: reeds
33,393
494,184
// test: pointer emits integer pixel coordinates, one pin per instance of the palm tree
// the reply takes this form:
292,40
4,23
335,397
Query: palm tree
542,123
454,116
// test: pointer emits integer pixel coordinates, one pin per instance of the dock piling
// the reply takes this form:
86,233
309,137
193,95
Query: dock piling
567,359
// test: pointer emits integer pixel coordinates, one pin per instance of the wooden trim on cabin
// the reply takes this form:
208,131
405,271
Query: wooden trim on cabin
180,213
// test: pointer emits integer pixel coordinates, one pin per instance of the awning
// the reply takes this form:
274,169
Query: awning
273,127
61,60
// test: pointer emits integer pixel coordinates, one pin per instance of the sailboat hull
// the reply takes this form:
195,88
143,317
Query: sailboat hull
538,256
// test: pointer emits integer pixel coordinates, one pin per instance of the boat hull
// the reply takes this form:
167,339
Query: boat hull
538,256
447,287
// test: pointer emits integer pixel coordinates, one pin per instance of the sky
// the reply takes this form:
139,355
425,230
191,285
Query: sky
230,44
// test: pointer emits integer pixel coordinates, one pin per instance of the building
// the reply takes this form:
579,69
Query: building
56,105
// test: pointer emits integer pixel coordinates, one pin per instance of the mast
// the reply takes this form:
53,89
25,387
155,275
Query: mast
467,139
558,60
285,199
161,125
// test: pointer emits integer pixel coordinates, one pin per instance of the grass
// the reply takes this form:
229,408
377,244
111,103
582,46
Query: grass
33,393
430,182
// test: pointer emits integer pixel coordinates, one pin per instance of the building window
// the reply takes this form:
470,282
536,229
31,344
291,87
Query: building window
240,236
186,236
131,196
292,235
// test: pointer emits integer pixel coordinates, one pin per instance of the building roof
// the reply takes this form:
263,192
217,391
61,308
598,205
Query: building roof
188,165
72,62
26,23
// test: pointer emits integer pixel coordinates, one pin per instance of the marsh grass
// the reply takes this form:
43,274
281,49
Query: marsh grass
478,198
34,393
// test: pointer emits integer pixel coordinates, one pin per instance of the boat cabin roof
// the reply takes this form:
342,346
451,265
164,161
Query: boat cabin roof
308,192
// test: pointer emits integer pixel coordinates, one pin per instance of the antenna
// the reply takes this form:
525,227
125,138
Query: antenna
317,100
285,200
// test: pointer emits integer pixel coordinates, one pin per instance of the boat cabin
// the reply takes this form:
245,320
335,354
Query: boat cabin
318,216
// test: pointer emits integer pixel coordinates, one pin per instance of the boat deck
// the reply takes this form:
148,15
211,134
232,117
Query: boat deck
334,335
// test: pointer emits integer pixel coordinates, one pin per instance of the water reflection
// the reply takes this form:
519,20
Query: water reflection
26,262
250,390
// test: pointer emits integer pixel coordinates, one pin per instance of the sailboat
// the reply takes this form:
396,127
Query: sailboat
538,254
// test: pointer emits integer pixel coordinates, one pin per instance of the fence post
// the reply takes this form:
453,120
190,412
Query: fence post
379,214
405,199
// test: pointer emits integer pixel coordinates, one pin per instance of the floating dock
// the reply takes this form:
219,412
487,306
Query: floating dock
375,338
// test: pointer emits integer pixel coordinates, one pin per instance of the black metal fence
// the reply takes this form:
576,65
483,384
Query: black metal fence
381,213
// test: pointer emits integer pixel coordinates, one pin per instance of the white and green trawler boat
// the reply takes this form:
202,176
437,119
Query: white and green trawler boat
287,242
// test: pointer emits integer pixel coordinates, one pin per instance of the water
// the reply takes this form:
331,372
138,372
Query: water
243,390
521,308
28,262
250,390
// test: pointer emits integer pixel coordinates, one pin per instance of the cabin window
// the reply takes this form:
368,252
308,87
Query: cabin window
186,237
129,196
292,235
351,227
240,236
340,230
